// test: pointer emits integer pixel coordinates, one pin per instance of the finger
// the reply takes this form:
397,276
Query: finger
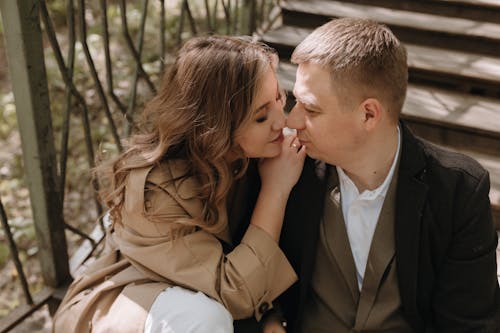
302,151
295,143
287,142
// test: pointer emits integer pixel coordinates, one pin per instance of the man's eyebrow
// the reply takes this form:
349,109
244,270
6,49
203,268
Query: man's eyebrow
305,102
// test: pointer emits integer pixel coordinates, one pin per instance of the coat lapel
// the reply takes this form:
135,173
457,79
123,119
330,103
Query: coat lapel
337,238
410,199
300,230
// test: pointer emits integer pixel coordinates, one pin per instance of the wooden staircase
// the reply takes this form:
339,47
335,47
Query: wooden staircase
454,65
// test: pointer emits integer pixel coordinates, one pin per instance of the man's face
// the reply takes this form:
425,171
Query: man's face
330,130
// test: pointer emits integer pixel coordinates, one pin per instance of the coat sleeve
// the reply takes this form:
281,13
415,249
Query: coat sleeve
467,293
245,280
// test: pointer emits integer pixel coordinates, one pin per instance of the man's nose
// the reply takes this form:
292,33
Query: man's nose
295,118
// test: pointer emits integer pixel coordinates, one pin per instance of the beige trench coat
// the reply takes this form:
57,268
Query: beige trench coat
116,292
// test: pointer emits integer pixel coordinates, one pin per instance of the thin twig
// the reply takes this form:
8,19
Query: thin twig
67,80
95,77
107,54
192,23
15,255
130,44
79,232
140,43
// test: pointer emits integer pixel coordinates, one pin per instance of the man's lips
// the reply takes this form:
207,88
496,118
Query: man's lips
302,141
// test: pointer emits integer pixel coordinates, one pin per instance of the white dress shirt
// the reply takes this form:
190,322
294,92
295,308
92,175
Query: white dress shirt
361,212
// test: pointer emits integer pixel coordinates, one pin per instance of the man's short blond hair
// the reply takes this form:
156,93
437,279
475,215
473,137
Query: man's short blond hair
364,58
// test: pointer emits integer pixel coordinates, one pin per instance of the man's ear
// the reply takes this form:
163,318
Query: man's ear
371,110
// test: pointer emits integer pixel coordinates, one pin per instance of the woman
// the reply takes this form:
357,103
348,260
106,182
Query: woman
175,262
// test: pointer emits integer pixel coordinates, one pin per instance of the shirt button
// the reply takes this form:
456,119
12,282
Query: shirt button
263,307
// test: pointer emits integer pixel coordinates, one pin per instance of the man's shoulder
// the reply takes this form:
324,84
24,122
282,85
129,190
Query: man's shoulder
443,159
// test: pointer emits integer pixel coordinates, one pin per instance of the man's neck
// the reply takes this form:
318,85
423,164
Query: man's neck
372,166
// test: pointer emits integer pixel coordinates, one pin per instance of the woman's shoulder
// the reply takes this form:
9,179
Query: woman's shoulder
172,176
167,171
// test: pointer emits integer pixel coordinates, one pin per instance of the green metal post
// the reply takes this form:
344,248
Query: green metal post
248,17
29,82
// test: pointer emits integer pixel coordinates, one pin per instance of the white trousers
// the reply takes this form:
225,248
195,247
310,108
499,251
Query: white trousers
179,310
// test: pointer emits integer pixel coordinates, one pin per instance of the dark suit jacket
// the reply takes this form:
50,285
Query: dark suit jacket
445,240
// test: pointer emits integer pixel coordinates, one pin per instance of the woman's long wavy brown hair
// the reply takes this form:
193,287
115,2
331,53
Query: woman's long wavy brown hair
205,99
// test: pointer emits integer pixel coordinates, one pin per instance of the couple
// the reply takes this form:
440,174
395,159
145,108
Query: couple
218,216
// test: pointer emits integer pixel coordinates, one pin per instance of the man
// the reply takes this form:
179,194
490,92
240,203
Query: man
388,233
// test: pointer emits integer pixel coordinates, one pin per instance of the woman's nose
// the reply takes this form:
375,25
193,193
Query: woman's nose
280,120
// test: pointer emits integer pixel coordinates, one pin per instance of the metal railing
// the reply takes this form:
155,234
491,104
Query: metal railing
46,162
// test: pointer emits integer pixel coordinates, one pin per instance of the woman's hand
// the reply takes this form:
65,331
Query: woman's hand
282,172
278,176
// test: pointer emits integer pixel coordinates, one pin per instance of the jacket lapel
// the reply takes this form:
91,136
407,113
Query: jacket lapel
300,230
410,199
336,235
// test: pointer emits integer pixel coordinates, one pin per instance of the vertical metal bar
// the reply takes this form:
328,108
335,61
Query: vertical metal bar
215,21
162,36
236,17
227,15
180,27
248,17
209,19
107,56
70,14
29,82
262,11
15,255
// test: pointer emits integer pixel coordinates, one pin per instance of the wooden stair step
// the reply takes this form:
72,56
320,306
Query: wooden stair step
472,116
420,28
441,116
480,10
467,72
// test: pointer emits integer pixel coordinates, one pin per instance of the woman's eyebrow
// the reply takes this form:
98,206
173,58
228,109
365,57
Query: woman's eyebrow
267,103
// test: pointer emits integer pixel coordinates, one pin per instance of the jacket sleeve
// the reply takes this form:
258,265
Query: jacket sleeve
245,280
467,295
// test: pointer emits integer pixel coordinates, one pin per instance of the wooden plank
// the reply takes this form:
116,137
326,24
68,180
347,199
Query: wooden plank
421,21
464,70
479,10
492,3
420,28
29,82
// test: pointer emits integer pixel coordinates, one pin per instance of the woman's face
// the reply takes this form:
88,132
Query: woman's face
263,135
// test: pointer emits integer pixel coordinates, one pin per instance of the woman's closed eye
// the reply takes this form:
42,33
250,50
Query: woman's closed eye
261,119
